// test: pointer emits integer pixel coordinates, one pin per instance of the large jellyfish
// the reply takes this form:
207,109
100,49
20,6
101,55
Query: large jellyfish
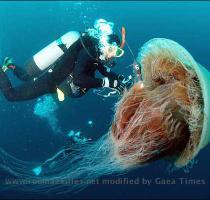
164,116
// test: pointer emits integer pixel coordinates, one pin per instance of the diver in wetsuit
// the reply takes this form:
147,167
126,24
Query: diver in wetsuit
67,66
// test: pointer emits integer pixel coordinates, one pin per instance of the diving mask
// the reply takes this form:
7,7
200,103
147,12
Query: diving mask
119,52
114,51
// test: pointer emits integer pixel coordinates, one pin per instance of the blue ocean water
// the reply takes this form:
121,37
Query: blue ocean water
26,27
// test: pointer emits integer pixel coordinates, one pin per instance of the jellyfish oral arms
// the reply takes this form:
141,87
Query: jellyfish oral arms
148,126
163,115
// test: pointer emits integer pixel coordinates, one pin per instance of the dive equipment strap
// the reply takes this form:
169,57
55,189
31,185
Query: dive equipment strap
83,45
61,45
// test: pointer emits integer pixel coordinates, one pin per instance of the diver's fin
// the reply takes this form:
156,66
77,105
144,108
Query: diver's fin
4,68
8,64
60,94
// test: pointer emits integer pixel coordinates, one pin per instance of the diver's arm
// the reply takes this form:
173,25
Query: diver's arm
105,71
80,77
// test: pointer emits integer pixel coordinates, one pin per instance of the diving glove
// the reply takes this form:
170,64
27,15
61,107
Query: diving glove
114,84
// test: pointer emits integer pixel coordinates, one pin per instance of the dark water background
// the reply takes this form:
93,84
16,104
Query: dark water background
26,27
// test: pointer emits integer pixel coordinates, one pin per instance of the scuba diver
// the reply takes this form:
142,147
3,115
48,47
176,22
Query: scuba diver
68,66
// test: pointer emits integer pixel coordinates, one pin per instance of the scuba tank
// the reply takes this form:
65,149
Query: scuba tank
51,53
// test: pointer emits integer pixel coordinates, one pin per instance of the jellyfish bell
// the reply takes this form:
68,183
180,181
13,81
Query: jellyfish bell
196,80
166,115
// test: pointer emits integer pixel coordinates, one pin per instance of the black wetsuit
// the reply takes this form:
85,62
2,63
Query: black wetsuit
78,61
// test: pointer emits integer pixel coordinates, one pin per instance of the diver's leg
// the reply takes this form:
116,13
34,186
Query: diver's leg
18,71
29,90
21,74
